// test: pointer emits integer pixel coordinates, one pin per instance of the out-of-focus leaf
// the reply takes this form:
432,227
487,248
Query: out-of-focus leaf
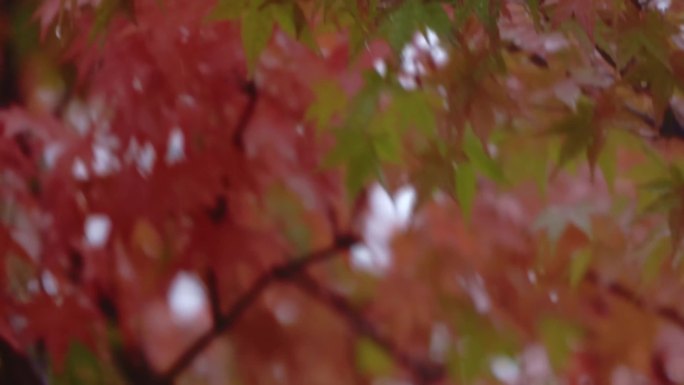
466,187
363,106
371,359
649,34
478,341
656,253
525,159
105,13
387,143
472,146
291,19
559,337
607,162
256,29
554,220
82,367
228,10
577,131
675,220
659,79
533,6
579,265
330,100
415,109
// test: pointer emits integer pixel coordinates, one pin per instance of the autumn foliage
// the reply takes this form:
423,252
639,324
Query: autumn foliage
341,192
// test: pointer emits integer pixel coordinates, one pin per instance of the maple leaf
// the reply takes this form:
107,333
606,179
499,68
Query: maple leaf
233,143
584,12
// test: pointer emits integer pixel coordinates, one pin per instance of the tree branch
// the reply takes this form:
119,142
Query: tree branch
214,298
618,290
250,90
424,372
226,321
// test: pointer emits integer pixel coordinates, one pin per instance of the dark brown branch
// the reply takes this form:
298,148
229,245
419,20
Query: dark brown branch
424,372
214,299
618,290
18,368
250,90
637,5
226,321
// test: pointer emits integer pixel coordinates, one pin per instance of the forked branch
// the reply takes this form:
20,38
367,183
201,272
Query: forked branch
224,322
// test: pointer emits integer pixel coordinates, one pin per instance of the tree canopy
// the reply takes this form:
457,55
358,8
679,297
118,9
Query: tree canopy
341,192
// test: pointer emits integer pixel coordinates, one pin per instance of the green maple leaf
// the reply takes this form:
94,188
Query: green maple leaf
579,265
330,99
555,220
582,11
482,162
228,10
372,359
577,131
411,16
559,336
650,34
479,341
256,29
466,187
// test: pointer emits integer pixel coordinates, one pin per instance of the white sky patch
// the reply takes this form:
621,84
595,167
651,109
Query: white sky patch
49,283
411,66
143,156
440,338
175,148
505,369
51,154
77,116
146,159
663,5
408,60
386,216
97,229
380,67
104,161
478,293
408,82
79,170
186,297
